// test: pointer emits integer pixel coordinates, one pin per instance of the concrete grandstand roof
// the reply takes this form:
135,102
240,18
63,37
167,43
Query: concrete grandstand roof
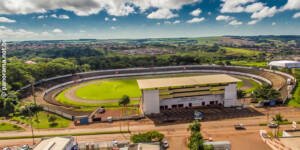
186,81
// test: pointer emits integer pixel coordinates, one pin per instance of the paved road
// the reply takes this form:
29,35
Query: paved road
177,134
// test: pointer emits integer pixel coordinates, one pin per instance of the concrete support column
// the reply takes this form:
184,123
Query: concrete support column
230,96
151,103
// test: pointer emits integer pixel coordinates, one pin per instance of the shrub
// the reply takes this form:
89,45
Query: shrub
151,136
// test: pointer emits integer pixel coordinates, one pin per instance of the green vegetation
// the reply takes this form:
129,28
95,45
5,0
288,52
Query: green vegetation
240,51
44,120
196,141
9,127
265,92
295,101
109,89
151,136
261,64
208,40
88,106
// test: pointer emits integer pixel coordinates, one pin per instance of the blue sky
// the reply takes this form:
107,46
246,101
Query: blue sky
113,19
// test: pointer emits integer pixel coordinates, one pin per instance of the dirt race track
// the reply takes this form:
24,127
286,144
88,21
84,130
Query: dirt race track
176,133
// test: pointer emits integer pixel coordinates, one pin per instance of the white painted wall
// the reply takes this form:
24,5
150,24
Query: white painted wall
151,101
230,96
196,101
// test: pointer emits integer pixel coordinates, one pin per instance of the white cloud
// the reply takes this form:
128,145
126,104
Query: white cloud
252,22
89,7
224,18
176,22
259,10
196,20
106,19
41,16
254,7
273,23
63,17
265,12
6,20
114,19
235,23
291,4
158,23
57,30
296,15
113,28
196,12
7,33
162,14
234,6
82,31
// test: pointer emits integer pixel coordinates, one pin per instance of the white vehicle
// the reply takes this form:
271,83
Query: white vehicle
165,143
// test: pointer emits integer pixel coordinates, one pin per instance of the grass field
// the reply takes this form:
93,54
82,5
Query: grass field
9,127
240,51
109,89
249,64
87,106
41,121
208,40
116,88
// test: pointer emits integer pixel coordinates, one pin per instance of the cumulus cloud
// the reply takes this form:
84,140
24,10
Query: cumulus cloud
114,19
265,12
162,14
196,20
291,4
273,23
176,22
89,7
224,18
259,10
106,19
7,33
234,6
235,23
254,7
252,22
59,16
296,15
6,20
57,30
196,12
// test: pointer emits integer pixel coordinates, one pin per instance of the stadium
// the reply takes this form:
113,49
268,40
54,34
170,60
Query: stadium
153,90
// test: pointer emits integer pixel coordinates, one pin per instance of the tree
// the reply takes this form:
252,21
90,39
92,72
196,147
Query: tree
265,92
278,118
8,104
124,101
195,126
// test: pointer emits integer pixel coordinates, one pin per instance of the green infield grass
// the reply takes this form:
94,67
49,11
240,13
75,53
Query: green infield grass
109,89
9,127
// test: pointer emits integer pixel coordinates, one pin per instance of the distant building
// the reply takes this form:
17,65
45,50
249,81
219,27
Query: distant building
284,64
55,143
182,92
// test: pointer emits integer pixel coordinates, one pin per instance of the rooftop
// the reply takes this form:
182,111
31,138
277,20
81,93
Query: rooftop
186,81
56,143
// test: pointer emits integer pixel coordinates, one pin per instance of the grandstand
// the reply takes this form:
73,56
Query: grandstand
179,92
